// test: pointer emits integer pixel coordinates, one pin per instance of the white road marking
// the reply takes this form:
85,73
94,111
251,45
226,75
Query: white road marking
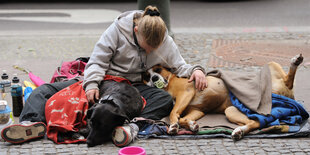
84,16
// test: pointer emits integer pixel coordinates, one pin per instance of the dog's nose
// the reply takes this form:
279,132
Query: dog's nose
155,78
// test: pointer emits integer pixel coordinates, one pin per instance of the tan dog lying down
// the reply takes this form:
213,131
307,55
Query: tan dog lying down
194,104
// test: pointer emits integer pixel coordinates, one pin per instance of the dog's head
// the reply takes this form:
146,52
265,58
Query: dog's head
103,118
157,76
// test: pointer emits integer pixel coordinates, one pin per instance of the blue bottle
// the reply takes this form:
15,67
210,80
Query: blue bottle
17,96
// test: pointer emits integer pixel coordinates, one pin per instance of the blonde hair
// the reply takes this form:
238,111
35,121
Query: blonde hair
152,27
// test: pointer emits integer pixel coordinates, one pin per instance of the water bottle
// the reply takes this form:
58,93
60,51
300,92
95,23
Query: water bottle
5,84
17,96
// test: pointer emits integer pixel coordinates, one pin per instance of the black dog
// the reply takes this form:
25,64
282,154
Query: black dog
118,102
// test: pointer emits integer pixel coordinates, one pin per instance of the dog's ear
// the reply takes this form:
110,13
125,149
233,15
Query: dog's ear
157,70
119,112
146,77
114,108
169,69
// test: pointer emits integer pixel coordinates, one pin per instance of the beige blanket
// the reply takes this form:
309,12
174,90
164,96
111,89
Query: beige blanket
252,89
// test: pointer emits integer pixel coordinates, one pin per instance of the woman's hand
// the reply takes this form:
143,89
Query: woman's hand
200,80
92,95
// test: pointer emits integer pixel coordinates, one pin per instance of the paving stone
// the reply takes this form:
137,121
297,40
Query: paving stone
171,151
241,148
231,148
259,151
274,153
208,149
37,153
284,151
158,152
304,145
263,145
14,146
270,149
295,150
299,153
61,146
26,146
195,151
50,152
92,151
307,150
47,142
247,152
4,153
234,151
228,142
24,151
37,149
13,150
184,152
210,152
64,153
80,153
62,150
182,148
49,145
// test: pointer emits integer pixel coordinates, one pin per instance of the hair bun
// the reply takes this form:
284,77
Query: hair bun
152,12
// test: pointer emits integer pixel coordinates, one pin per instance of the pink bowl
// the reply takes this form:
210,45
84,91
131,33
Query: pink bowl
132,150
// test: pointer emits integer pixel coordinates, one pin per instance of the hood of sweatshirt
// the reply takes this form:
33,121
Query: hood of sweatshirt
124,23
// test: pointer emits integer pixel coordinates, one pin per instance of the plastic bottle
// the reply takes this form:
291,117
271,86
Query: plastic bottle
5,84
17,96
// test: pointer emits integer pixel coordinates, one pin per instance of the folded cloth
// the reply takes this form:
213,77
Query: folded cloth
65,112
150,128
215,130
252,89
284,110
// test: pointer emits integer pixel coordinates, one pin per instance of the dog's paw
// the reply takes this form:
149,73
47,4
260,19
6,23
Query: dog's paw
173,129
193,126
237,134
297,60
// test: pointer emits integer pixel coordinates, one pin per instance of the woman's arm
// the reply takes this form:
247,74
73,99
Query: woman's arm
175,61
99,61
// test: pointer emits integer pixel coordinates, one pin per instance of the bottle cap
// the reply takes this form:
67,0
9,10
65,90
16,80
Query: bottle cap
4,76
15,79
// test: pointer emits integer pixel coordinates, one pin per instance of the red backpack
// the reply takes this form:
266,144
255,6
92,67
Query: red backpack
70,69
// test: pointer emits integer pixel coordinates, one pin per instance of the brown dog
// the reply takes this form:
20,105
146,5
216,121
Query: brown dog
193,104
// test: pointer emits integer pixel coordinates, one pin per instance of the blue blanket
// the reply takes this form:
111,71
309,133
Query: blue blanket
284,110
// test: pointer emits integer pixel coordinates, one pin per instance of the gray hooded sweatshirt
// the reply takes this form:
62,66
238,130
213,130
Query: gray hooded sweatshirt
117,54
